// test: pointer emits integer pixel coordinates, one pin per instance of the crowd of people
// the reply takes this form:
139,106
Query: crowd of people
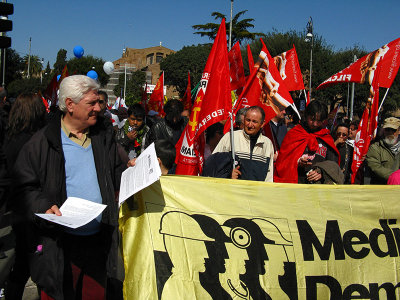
76,151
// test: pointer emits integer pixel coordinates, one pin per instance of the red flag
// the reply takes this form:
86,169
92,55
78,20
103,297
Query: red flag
264,88
250,57
289,69
368,124
156,101
363,70
187,97
51,91
212,104
236,67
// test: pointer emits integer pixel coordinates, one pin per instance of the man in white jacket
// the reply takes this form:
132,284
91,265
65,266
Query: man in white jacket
254,151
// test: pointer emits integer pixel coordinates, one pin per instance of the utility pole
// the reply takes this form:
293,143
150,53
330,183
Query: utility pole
29,57
310,38
230,28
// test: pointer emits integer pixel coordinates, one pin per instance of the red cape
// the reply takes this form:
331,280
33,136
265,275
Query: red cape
293,146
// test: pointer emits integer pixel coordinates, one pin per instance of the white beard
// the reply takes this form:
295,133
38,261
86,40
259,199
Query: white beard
390,140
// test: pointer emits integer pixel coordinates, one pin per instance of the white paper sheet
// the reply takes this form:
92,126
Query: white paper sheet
145,172
75,212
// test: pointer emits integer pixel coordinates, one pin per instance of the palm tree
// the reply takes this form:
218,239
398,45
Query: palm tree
240,28
35,65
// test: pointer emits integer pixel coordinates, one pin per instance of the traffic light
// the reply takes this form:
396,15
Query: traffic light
5,24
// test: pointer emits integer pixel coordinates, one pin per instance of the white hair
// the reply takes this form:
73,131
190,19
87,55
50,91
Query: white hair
75,87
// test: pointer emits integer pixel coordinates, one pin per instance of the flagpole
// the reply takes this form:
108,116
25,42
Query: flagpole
383,100
125,82
347,102
232,141
352,95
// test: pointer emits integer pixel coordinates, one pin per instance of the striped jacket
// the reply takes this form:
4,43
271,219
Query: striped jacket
257,165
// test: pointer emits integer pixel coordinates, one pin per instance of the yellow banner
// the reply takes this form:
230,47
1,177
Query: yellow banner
205,238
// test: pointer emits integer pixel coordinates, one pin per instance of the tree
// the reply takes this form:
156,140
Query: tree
25,85
189,58
240,28
85,64
134,87
61,61
35,65
14,66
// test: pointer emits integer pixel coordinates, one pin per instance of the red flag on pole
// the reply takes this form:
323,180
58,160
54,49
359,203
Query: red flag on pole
264,88
236,69
368,124
212,104
250,58
363,70
289,69
187,97
156,101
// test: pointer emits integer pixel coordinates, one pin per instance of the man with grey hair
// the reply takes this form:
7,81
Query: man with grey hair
383,157
239,118
75,155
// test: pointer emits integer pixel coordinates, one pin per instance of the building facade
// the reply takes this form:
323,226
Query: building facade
147,60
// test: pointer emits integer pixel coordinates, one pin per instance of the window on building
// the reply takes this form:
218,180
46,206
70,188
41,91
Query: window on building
149,59
149,77
159,57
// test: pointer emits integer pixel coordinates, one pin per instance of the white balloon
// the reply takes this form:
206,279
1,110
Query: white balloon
108,67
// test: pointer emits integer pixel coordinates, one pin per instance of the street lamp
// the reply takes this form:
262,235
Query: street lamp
310,38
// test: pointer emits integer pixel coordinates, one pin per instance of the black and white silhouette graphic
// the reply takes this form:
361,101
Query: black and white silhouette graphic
220,257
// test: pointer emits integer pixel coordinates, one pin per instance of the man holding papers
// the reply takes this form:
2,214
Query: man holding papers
75,155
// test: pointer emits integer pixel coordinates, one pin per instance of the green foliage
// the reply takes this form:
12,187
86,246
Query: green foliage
14,66
80,66
240,28
61,61
134,87
189,58
25,85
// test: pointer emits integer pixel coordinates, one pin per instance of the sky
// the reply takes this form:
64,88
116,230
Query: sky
103,28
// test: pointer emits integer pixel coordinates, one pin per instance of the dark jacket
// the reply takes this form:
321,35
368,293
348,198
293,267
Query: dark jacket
40,183
162,130
382,162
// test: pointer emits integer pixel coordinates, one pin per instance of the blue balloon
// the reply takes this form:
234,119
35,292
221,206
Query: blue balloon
78,51
92,74
58,77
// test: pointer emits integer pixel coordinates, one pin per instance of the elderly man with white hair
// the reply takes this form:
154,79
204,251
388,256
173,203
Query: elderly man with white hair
75,155
383,156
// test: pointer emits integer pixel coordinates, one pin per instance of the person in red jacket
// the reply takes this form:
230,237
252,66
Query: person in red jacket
305,145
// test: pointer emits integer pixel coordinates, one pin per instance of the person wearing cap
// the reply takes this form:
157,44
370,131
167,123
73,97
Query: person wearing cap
383,157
